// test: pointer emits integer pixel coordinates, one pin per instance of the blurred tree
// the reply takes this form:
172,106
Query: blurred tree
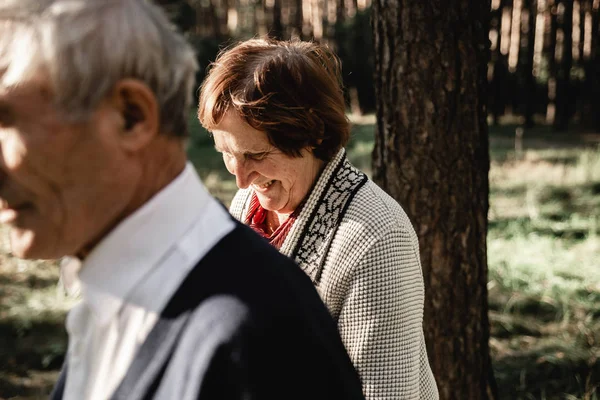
180,12
431,154
340,11
498,75
564,58
276,28
207,49
590,113
188,20
529,84
354,39
550,51
298,22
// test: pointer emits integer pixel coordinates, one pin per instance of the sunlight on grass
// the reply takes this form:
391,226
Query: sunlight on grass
29,292
567,167
545,267
544,234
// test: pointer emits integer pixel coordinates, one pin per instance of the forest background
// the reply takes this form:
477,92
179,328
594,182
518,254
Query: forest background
543,243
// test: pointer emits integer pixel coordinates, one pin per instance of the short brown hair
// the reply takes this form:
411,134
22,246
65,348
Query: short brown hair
289,89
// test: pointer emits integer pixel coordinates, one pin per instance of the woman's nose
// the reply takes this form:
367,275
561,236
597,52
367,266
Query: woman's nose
242,171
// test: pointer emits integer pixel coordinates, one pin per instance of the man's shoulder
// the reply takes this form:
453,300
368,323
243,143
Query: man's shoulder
245,250
244,241
243,265
248,306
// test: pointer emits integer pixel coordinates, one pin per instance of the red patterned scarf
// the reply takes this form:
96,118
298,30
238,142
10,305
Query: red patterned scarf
257,220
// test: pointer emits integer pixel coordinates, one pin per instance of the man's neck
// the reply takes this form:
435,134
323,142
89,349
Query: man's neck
159,164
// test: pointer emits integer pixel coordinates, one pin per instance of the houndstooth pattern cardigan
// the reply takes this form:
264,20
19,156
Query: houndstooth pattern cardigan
361,252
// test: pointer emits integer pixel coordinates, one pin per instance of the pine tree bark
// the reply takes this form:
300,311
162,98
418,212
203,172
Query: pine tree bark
431,154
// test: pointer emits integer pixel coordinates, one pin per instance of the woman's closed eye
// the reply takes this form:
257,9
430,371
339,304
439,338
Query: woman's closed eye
256,156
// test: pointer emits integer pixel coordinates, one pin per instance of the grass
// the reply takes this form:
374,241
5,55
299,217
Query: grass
32,333
544,264
543,254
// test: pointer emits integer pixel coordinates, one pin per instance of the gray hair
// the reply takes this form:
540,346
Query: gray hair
86,46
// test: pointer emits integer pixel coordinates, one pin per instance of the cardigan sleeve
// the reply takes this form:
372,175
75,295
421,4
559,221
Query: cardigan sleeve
381,321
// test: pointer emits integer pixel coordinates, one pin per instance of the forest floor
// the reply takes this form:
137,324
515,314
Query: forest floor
543,255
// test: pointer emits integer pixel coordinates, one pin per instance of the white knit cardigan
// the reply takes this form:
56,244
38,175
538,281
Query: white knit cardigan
361,252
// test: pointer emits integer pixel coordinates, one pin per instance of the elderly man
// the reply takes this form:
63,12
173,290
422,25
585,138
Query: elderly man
178,300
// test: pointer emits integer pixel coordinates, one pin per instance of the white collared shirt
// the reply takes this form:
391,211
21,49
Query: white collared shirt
129,277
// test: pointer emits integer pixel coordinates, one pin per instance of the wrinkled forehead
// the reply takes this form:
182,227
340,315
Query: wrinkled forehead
19,54
22,77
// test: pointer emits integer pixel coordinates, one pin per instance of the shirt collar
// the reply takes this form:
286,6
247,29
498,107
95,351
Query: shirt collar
116,266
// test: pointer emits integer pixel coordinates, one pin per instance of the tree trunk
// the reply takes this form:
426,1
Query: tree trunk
497,89
551,51
213,10
277,27
340,11
298,20
431,154
272,18
590,113
530,89
564,98
224,18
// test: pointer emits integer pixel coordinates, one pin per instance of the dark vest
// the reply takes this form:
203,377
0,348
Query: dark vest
246,323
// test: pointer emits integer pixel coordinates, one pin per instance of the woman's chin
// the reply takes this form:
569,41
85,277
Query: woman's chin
268,204
271,204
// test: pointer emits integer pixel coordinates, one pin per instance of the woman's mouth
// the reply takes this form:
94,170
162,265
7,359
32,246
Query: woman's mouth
264,186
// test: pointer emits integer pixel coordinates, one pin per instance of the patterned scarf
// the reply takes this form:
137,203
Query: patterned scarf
257,220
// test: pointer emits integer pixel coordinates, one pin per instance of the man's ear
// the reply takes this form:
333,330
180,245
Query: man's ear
138,109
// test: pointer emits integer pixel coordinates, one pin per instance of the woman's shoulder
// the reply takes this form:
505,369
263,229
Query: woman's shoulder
377,211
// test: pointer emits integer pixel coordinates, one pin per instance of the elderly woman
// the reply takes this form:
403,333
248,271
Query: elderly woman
277,114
